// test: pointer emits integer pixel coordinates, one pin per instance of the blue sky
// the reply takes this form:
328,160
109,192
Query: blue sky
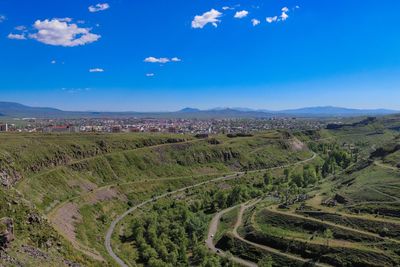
156,55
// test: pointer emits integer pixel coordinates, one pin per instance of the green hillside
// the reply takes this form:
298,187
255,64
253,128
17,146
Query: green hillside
81,181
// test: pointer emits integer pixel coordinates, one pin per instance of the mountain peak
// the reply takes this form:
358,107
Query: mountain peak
188,110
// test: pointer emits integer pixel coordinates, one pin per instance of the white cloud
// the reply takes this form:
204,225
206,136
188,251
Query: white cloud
255,22
272,19
150,74
157,60
53,62
227,8
284,16
96,70
62,33
75,90
176,59
209,17
285,9
20,28
99,7
2,18
161,60
16,36
64,19
241,14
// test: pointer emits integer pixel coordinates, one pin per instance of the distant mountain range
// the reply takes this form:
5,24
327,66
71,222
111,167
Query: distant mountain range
15,110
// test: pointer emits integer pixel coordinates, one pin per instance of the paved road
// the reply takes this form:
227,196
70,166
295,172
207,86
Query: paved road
107,242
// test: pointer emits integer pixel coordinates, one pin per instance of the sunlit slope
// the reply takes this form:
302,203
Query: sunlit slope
118,164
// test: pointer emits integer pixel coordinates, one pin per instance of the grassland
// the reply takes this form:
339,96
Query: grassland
81,182
349,218
342,208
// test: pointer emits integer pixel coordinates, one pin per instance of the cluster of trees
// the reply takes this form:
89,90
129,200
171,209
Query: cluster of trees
335,157
336,160
308,175
165,235
217,199
173,232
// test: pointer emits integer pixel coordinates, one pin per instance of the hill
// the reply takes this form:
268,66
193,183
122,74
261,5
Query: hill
330,111
15,110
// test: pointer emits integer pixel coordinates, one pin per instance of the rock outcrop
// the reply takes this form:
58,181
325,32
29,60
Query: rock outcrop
6,232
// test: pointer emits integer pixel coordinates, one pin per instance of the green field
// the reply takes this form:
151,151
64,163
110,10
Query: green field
331,197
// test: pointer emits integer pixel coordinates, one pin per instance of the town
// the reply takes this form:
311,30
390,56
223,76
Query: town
135,125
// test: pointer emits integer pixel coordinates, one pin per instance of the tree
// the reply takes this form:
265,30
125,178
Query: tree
309,175
287,173
297,179
268,178
328,234
220,198
211,262
265,262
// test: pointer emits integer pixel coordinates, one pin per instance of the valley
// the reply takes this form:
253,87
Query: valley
323,197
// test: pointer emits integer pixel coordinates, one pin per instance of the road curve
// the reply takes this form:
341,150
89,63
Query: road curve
250,204
214,226
111,229
107,242
212,230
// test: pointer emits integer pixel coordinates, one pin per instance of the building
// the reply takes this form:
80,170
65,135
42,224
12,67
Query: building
4,127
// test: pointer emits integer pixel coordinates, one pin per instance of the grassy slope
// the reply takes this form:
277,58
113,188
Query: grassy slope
370,188
53,169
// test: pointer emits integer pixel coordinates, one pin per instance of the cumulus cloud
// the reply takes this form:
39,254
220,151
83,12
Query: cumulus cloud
16,36
2,18
255,22
285,9
53,62
272,19
241,14
211,16
150,74
99,7
60,32
161,60
96,70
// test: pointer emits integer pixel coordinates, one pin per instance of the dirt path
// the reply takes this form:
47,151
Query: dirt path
75,161
294,215
66,214
236,175
385,166
64,221
239,222
111,229
212,230
316,201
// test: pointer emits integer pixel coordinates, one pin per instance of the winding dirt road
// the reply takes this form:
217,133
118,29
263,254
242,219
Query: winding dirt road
110,231
243,207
